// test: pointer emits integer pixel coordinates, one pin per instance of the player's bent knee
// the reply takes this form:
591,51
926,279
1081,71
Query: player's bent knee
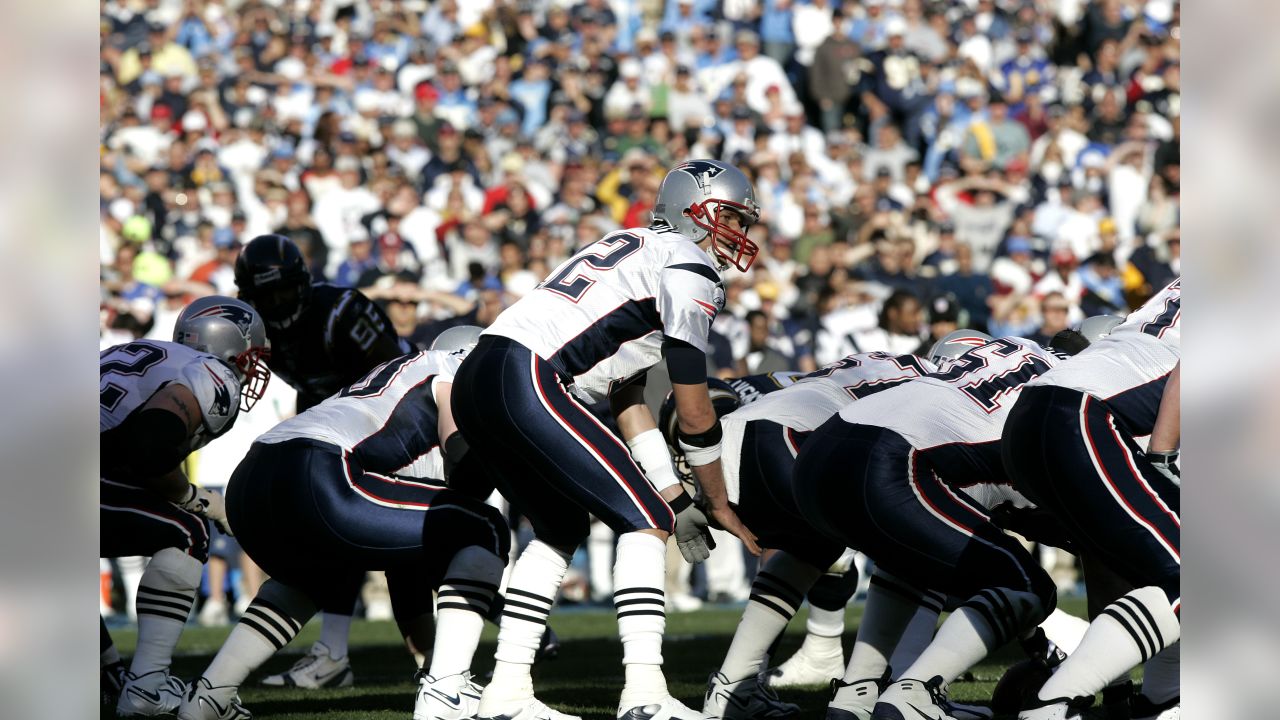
289,600
172,569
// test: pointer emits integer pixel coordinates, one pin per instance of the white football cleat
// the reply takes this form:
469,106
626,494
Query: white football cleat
452,697
807,667
205,702
150,694
1056,709
746,699
669,709
854,700
534,709
315,670
908,699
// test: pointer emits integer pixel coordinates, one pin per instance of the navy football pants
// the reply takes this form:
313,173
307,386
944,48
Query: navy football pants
140,522
551,457
868,488
1066,453
313,519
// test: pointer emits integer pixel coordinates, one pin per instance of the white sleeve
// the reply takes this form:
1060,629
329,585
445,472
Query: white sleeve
217,390
690,297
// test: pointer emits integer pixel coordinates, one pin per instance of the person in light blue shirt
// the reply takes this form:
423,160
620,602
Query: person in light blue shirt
775,30
700,12
532,91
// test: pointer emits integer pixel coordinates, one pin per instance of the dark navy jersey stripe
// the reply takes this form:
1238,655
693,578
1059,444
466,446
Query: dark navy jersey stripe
629,321
963,465
1135,409
697,269
409,433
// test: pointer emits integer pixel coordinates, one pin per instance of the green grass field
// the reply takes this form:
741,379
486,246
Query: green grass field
585,679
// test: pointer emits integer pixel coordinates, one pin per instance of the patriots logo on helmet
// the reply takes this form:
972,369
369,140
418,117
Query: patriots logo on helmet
702,171
238,315
221,405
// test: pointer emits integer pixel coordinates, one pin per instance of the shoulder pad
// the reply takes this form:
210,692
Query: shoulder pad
217,390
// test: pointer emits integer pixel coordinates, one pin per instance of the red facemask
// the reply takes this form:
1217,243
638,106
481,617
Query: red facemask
732,246
252,365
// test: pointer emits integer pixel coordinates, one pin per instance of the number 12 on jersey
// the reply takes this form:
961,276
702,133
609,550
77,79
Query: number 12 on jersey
603,255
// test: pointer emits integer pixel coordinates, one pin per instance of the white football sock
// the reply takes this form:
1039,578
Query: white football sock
825,623
334,631
776,594
638,576
983,623
918,635
1127,632
891,604
271,621
1064,630
464,599
131,569
165,595
1161,680
535,580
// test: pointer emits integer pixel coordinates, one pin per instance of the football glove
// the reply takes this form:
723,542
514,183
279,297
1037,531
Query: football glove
1166,463
692,534
208,504
1032,523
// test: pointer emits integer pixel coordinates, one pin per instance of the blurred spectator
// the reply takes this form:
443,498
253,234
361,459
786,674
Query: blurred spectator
762,355
971,288
944,319
899,328
1055,317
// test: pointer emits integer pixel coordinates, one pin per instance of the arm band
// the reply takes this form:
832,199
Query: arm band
701,448
686,364
680,502
650,451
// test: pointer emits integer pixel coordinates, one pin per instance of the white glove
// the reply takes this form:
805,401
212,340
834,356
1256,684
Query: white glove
693,536
209,504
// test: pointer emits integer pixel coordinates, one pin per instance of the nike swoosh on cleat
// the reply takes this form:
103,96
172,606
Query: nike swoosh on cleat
147,694
455,701
324,681
919,711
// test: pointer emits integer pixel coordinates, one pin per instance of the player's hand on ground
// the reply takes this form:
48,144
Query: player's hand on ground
209,504
693,532
728,520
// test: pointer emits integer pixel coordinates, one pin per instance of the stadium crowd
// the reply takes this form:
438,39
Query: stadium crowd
1007,165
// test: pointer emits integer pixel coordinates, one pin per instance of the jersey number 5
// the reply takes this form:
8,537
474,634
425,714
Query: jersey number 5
603,255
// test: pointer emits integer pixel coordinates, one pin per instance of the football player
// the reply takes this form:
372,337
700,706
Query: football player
159,401
907,476
761,440
1071,445
323,339
355,484
588,333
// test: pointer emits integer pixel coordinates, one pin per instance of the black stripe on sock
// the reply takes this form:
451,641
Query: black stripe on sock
769,603
1003,610
545,600
624,591
1151,622
773,586
1124,622
901,591
638,601
473,594
472,583
293,622
527,618
462,606
982,609
933,601
544,611
165,593
1137,622
629,613
260,614
147,602
163,614
258,628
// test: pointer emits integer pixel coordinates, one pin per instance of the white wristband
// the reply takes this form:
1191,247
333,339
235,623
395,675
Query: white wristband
699,456
650,452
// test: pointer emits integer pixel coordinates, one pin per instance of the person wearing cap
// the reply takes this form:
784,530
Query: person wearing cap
898,82
944,317
628,91
405,149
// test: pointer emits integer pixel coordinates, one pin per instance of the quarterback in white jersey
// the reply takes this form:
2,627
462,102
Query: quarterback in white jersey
158,401
1072,445
885,477
588,333
355,484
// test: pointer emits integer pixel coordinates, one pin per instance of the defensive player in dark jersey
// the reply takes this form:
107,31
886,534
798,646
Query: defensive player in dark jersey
158,402
323,338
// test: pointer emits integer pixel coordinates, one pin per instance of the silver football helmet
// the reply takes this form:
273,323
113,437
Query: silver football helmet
1099,326
693,196
231,331
459,338
957,343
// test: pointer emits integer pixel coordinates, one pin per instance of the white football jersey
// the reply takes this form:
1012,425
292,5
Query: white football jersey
129,374
386,421
1127,368
810,400
600,318
965,402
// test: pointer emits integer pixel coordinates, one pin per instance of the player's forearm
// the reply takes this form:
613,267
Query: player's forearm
173,485
711,485
1167,432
